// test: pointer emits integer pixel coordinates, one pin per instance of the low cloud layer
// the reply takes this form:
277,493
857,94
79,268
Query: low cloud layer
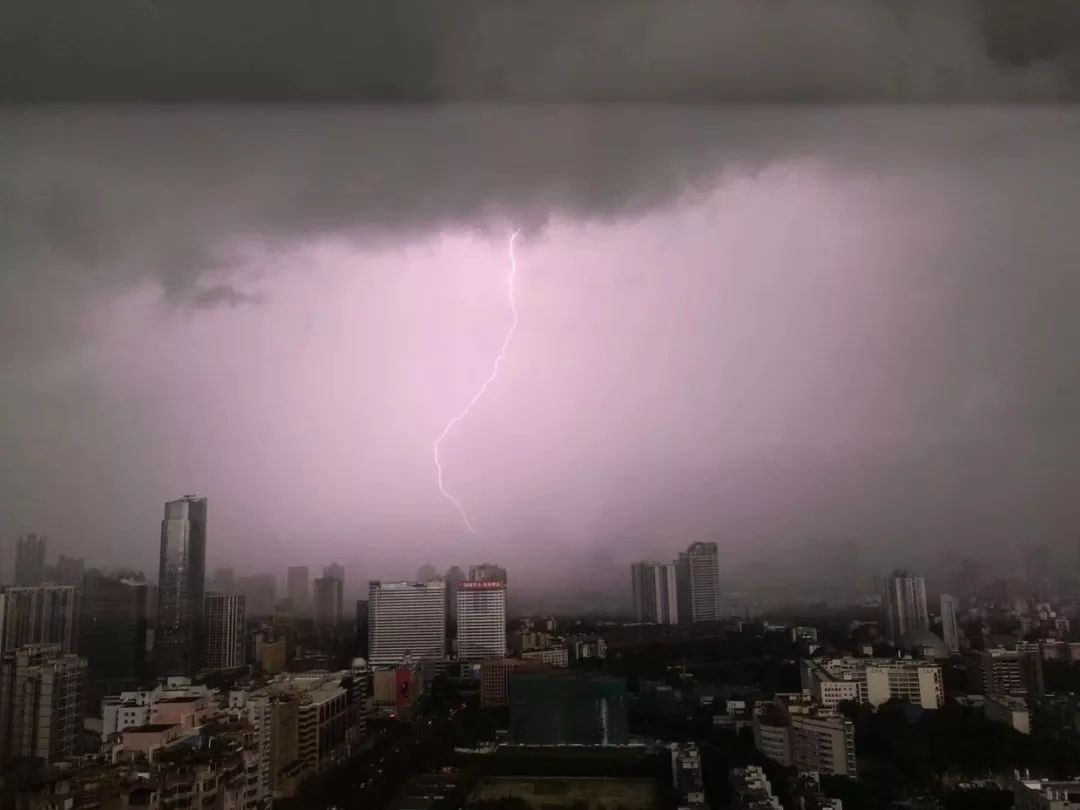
555,50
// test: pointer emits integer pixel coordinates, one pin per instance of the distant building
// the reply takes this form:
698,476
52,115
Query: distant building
406,619
558,657
454,577
997,671
426,573
655,592
481,622
30,559
260,592
486,572
698,583
950,625
40,614
181,582
751,790
905,605
297,585
226,631
327,601
567,709
223,580
495,678
69,570
1046,794
686,775
41,702
335,571
112,631
830,681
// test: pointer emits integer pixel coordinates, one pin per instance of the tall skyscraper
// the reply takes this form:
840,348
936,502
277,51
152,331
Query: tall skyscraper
327,600
69,570
950,625
223,580
406,619
698,583
181,579
41,702
297,585
905,605
112,630
426,572
226,631
336,571
30,559
655,592
486,572
43,614
260,591
454,577
481,620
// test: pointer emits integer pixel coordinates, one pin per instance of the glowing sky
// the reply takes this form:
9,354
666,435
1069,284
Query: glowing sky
762,326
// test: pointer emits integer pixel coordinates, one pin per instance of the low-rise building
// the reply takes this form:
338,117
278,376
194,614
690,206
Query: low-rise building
1008,710
873,680
1046,794
554,656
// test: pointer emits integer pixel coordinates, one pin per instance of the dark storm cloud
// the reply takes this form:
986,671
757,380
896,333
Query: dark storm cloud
630,50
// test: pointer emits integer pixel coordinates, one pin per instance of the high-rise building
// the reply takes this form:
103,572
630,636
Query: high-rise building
698,575
112,631
905,605
655,592
454,577
950,625
426,572
406,619
486,572
481,622
327,600
30,559
226,626
297,585
43,614
336,571
181,580
41,702
223,580
69,570
261,593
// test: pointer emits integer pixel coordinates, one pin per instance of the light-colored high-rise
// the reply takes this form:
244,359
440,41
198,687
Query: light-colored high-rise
327,600
181,579
41,702
43,614
950,625
905,605
226,627
481,620
406,619
699,583
655,592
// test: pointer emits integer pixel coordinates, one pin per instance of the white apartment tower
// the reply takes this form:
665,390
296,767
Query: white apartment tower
225,628
481,619
655,592
699,583
905,605
950,625
406,619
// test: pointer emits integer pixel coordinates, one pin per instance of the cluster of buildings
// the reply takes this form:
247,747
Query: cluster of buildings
685,590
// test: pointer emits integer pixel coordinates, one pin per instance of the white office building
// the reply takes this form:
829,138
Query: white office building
655,592
699,583
406,620
873,680
481,619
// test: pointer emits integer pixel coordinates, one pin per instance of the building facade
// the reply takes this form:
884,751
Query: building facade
112,631
950,623
481,619
327,600
297,588
30,559
41,702
406,619
181,580
904,600
226,631
487,572
698,583
40,614
654,587
873,680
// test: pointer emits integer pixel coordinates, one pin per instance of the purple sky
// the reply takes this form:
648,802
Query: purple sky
771,327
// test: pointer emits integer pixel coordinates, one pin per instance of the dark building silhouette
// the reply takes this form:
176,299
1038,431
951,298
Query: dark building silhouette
30,559
112,633
567,709
181,579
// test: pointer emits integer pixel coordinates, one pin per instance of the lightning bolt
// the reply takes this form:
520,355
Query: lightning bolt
483,388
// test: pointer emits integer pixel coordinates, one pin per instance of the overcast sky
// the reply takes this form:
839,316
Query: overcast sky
772,326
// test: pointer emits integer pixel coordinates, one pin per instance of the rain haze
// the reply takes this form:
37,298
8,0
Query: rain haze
786,279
